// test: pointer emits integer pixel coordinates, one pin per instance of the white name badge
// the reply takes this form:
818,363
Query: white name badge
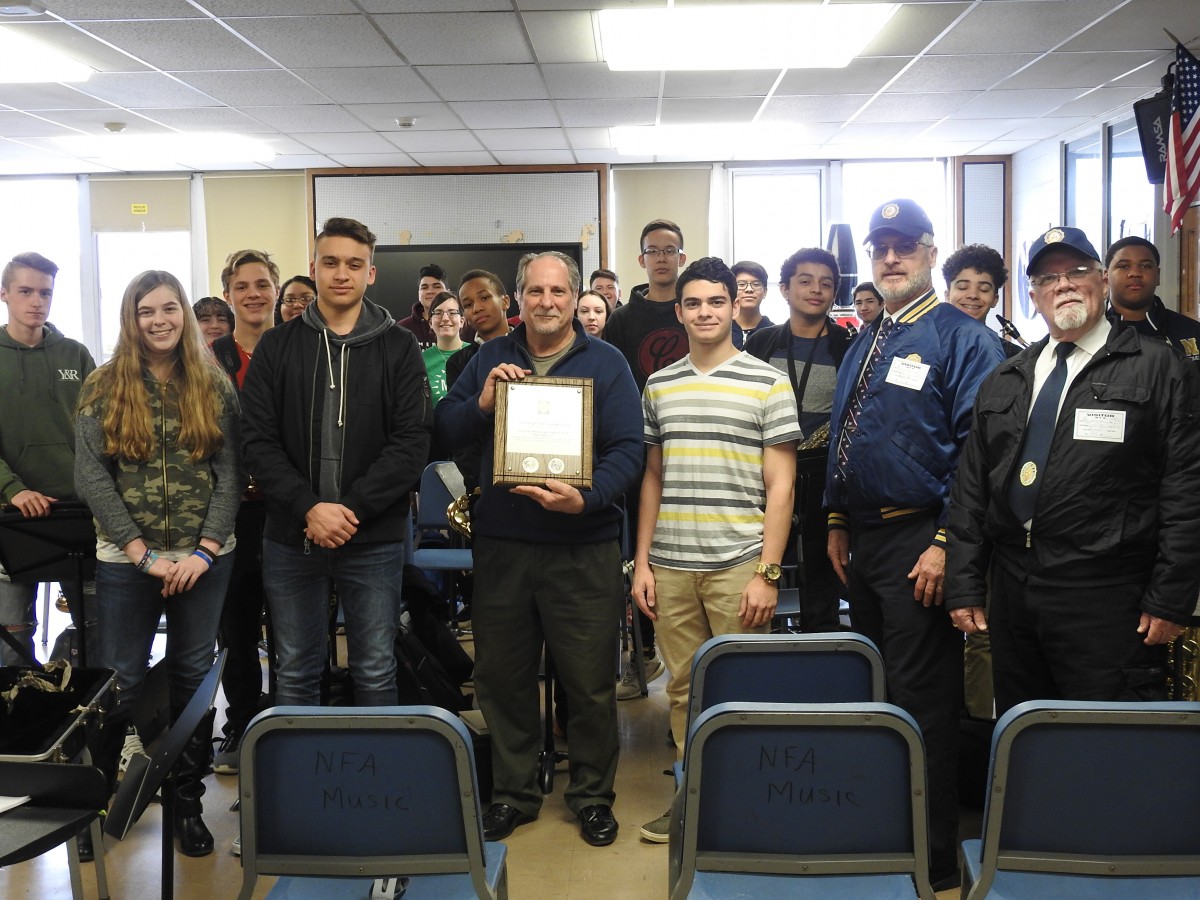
1100,425
907,373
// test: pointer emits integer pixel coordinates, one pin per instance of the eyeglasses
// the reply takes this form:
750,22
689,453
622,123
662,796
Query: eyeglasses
666,253
749,285
902,249
1075,273
448,314
302,300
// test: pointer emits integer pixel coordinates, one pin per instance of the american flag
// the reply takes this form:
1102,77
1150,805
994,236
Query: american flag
1183,148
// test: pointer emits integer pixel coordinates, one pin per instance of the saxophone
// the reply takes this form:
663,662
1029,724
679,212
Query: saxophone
1183,665
458,514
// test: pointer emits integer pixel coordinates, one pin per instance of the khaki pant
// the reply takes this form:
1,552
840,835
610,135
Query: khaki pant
693,606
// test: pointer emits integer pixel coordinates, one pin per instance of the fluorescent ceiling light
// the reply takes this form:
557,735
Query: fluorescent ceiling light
148,151
709,141
26,61
707,38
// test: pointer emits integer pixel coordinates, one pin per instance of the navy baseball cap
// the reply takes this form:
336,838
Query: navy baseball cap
901,216
1062,237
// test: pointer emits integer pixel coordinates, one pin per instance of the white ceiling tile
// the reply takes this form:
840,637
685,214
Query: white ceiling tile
181,45
864,75
47,96
562,37
83,10
215,118
1017,104
430,39
369,160
596,113
234,8
913,27
813,108
469,82
535,157
344,142
719,84
612,157
342,40
712,109
523,138
390,84
301,161
270,88
1087,70
141,90
286,146
880,138
973,72
80,45
1105,100
505,113
291,119
18,124
410,140
382,116
1139,26
434,6
956,129
93,121
897,107
589,138
1004,147
594,80
448,158
1044,128
1018,26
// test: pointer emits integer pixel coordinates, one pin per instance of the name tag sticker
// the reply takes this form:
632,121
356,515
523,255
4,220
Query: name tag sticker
1100,425
908,374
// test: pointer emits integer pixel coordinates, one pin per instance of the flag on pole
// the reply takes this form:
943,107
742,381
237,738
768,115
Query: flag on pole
1183,146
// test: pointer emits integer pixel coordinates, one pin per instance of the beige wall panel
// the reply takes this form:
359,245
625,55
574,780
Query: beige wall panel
167,207
261,212
681,195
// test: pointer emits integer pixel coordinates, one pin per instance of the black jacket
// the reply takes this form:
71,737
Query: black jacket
1108,512
765,341
1176,329
387,430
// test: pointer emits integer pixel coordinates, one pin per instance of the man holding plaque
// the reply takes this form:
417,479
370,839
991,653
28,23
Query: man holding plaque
1078,489
546,553
716,502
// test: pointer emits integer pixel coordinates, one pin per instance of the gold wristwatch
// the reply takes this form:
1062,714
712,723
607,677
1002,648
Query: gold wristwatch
771,573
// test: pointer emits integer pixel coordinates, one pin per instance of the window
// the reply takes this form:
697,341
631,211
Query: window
121,255
1085,187
1131,195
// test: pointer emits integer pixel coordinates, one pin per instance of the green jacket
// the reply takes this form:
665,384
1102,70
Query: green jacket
39,388
168,501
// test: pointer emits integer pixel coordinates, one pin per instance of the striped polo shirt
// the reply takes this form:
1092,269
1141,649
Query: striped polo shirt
712,428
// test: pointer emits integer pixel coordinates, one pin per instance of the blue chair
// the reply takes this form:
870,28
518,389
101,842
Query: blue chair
334,797
1096,800
444,553
784,800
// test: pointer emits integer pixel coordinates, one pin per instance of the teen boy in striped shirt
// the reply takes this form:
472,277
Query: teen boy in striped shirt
716,504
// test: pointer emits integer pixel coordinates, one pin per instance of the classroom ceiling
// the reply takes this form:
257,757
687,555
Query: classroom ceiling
519,82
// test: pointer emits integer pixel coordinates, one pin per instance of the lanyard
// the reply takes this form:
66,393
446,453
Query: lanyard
802,385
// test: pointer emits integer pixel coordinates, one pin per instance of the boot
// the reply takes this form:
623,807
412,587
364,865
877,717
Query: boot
104,744
194,763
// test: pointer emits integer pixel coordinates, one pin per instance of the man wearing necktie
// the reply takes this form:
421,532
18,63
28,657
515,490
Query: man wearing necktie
901,412
1078,490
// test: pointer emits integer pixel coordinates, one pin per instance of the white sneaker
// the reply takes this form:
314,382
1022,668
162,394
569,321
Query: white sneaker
236,848
658,831
629,689
133,747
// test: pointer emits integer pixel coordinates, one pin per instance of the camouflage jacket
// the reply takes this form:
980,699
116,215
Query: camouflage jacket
168,501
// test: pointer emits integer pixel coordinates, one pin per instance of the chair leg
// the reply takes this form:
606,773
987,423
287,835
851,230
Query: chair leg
98,850
73,869
636,626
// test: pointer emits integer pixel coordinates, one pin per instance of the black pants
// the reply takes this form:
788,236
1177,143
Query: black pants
1068,643
922,657
241,618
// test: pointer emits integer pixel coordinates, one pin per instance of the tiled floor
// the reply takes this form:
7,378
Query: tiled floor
547,859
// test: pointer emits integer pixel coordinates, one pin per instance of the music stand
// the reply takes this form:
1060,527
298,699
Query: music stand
145,777
59,547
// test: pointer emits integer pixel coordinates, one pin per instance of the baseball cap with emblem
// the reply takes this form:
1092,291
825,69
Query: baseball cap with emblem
901,216
1061,238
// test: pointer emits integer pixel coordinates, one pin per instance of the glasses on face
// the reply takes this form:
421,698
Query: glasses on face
749,285
1075,273
664,253
445,314
301,301
902,249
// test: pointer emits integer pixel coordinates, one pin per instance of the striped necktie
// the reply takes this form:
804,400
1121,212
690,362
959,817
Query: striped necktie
1039,434
854,407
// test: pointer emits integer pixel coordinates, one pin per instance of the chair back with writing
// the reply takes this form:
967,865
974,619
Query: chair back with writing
802,790
1092,789
364,791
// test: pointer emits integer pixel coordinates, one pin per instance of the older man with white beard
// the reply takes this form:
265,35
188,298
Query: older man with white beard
901,412
1078,491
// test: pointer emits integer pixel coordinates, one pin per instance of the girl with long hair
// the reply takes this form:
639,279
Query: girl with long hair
157,461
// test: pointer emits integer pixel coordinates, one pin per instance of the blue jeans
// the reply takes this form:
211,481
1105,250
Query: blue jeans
129,607
299,583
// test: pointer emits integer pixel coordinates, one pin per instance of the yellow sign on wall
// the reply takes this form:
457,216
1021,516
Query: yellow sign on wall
139,209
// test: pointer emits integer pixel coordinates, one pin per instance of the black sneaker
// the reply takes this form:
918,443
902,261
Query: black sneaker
225,762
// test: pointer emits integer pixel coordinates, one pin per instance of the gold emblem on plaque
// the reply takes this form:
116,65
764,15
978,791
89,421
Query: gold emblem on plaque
1028,473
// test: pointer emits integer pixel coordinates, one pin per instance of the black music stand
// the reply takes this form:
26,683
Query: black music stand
59,547
145,777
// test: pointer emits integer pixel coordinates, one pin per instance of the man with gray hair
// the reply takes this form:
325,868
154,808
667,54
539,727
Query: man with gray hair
548,552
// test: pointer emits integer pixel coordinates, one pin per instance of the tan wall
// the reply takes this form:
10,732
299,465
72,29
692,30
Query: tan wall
681,195
260,212
168,207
